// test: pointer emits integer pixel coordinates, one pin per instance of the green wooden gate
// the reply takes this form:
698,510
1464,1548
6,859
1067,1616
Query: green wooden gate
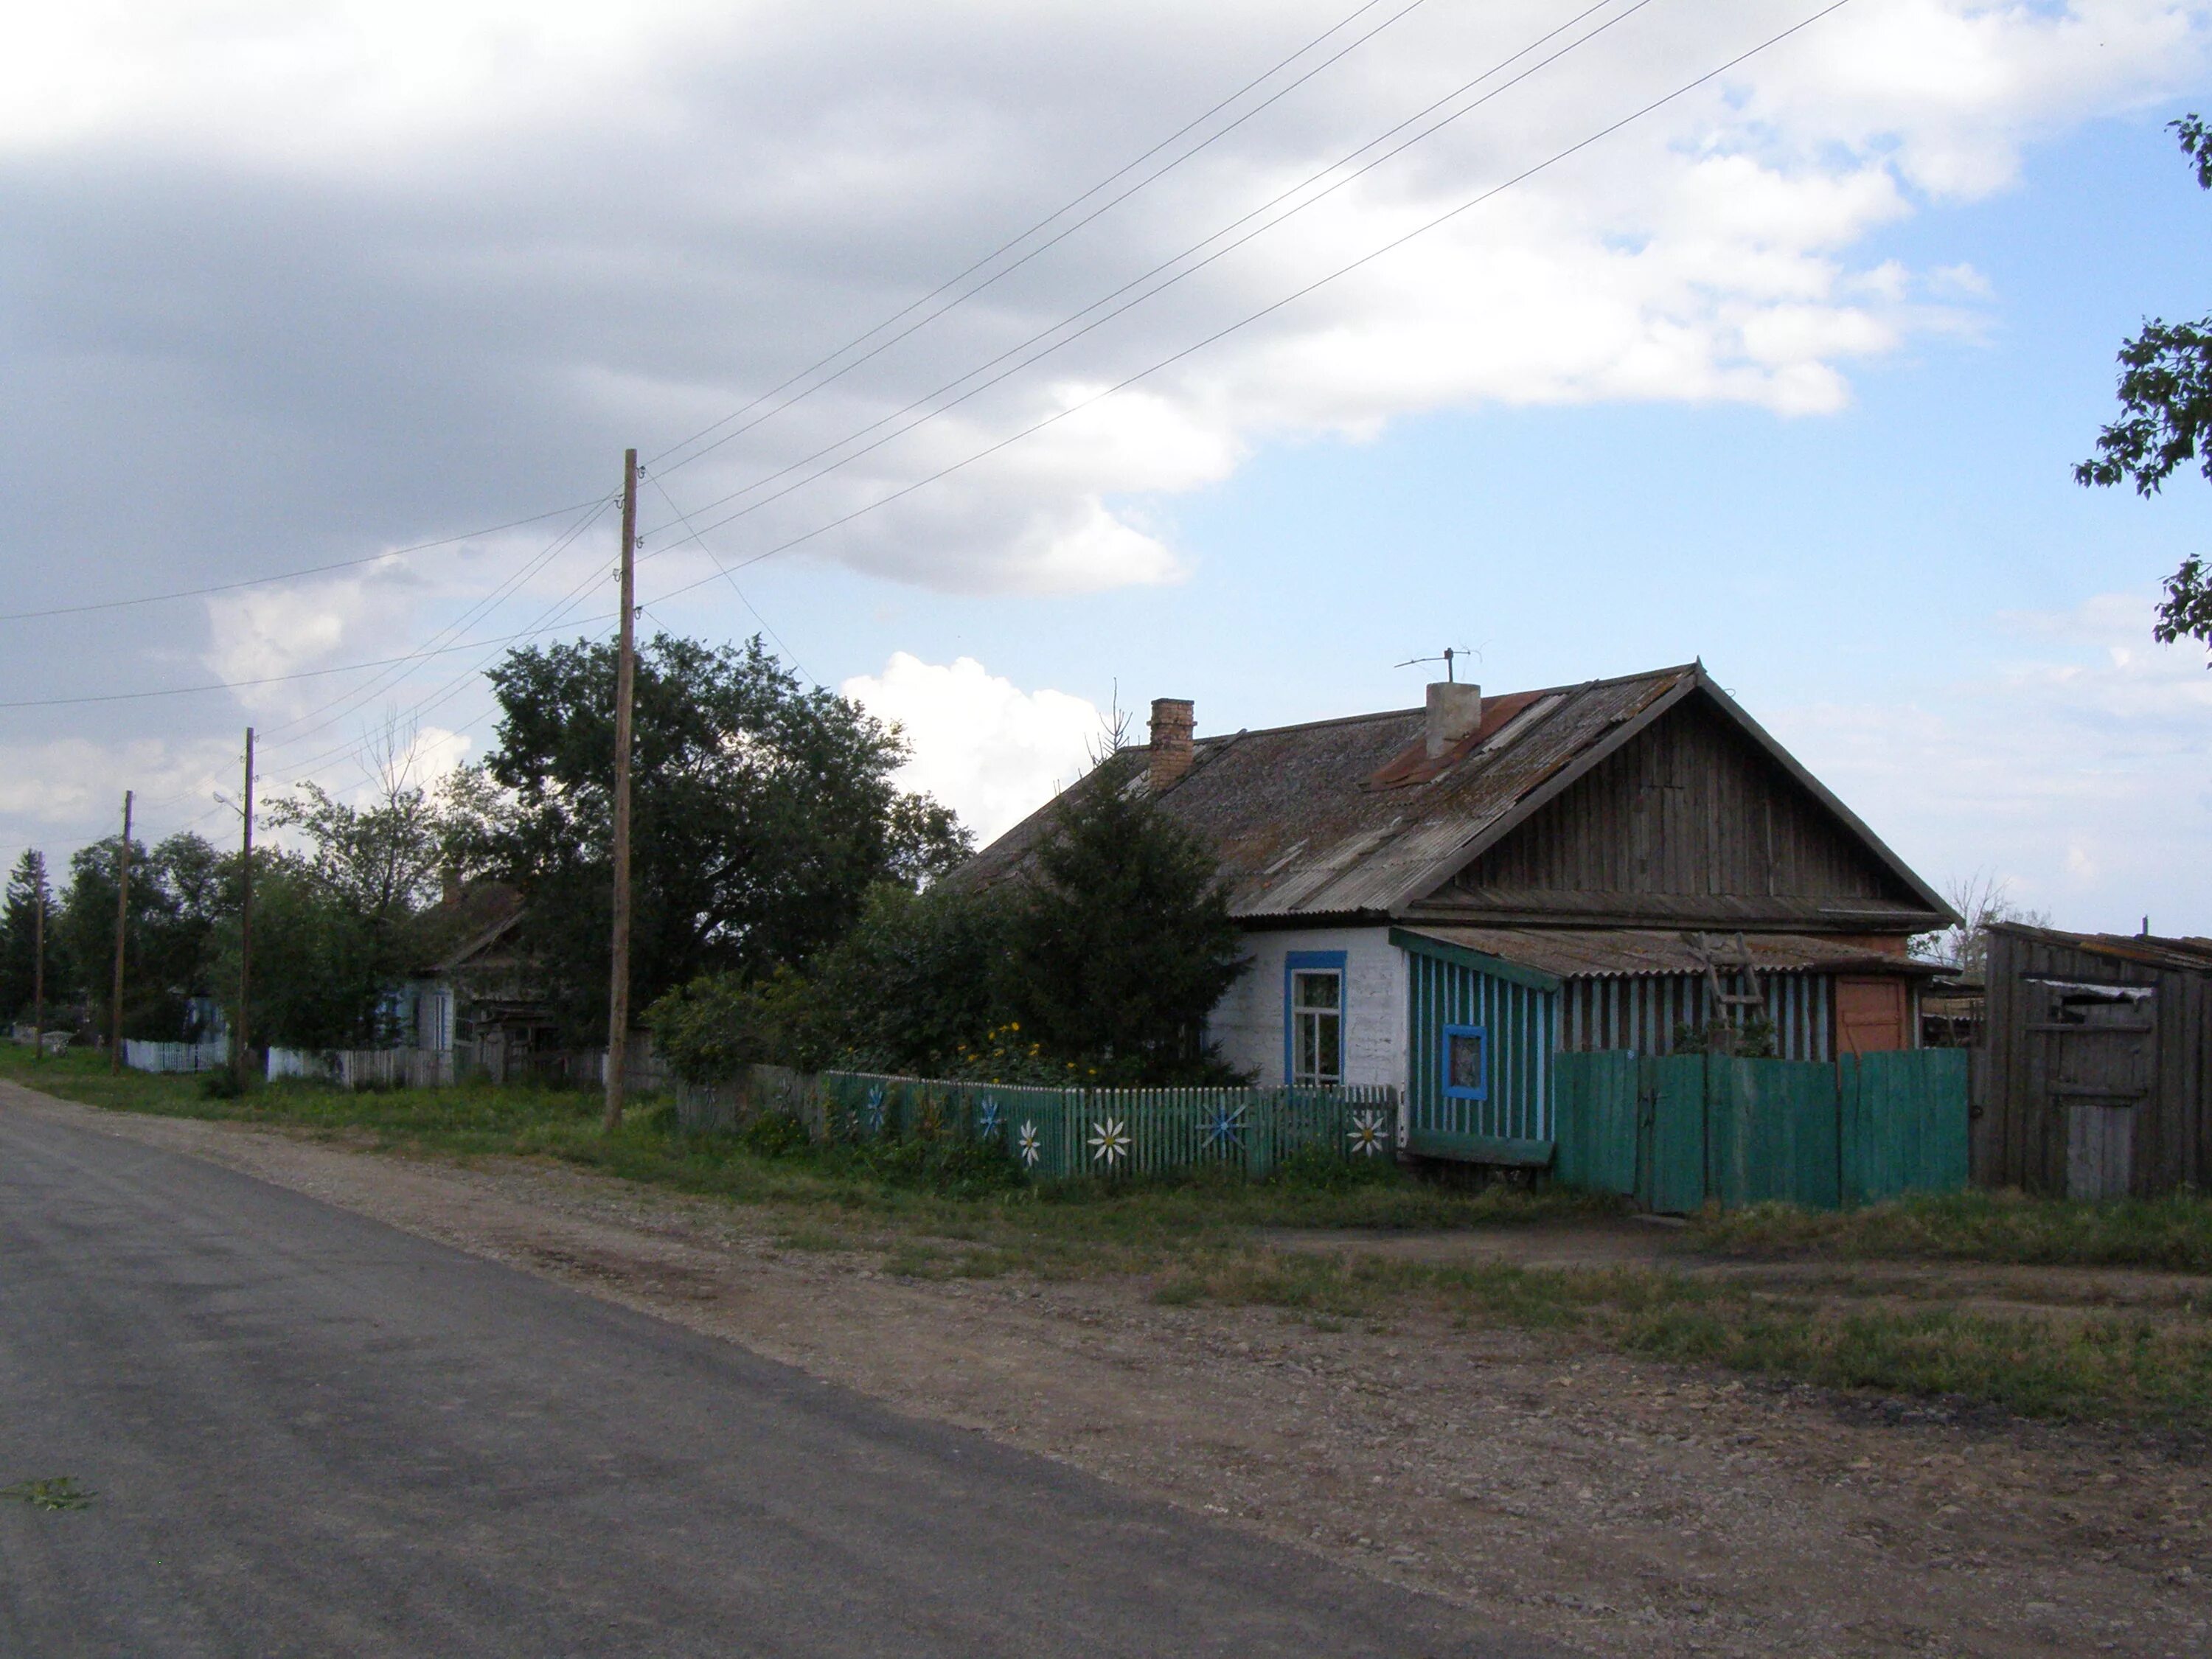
1679,1131
1905,1124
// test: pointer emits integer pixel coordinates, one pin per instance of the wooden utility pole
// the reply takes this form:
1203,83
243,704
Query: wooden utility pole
122,916
625,690
39,969
242,1046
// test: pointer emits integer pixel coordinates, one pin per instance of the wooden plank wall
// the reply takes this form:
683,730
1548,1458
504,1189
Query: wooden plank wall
2020,1138
1689,809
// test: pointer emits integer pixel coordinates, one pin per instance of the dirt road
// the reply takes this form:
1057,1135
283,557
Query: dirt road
1615,1505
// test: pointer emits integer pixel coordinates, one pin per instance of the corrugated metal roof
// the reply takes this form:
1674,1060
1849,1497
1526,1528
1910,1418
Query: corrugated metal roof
1339,817
1351,817
1622,952
2189,954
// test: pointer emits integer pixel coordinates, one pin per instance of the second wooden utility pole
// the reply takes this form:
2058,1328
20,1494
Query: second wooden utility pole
241,1045
121,917
39,971
625,690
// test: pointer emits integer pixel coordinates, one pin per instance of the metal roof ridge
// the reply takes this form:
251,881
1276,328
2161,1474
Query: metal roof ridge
1569,687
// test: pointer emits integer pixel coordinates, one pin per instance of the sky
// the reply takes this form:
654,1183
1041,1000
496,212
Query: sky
1009,366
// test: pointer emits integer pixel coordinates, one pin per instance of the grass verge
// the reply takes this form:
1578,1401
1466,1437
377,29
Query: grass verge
1204,1241
2173,1234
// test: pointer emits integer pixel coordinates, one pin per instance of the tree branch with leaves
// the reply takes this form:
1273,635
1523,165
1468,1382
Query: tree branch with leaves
2166,421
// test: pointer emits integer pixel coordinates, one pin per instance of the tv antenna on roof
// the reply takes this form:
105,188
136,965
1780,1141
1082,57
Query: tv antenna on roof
1452,654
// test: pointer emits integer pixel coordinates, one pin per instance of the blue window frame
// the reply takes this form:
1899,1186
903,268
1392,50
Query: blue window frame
1313,1019
1465,1060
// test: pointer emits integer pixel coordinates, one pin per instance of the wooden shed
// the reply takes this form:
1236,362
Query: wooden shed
2095,1064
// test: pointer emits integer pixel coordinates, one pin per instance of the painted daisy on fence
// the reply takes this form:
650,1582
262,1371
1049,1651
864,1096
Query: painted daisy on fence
1368,1132
1109,1140
873,1113
987,1119
1225,1129
1027,1144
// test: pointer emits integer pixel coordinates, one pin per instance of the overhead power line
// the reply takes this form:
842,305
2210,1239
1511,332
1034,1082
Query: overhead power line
1244,322
1013,242
287,575
1071,320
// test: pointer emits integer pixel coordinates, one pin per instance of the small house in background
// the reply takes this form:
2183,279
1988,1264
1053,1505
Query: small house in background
1445,899
484,998
2097,1065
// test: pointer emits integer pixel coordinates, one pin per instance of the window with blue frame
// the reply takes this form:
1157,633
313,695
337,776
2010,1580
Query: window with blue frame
1466,1062
1313,1018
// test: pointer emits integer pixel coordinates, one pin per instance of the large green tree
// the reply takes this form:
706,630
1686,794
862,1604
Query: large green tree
180,893
762,812
2166,421
1119,939
19,941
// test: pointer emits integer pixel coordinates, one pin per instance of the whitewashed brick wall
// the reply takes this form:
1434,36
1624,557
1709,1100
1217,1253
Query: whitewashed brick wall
1248,1024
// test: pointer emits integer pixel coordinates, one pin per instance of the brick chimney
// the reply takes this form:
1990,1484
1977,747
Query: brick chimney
1454,713
1173,723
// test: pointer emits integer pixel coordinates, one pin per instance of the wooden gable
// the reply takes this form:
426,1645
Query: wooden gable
1695,820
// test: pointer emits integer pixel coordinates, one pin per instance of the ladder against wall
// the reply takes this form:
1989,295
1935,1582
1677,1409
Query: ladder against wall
1734,992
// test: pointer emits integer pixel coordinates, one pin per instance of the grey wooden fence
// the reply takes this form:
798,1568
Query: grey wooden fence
1062,1132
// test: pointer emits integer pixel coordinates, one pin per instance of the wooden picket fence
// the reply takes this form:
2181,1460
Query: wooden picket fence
1063,1132
143,1056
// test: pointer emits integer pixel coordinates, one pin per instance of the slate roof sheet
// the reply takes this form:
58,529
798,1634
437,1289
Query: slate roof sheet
1345,816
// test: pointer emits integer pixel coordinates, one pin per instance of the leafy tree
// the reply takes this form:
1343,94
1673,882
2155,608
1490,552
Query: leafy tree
1120,943
2166,421
909,988
19,935
321,964
762,813
178,894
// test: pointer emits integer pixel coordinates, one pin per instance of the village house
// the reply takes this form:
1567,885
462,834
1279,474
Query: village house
1443,899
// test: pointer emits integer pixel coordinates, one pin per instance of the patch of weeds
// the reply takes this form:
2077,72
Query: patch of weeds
909,1259
775,1134
1183,1290
60,1492
810,1238
2173,1233
2094,1369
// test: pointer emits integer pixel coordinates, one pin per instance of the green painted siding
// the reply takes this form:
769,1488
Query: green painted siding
1513,1124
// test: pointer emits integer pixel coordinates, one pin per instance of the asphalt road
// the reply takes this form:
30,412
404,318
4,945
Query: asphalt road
312,1434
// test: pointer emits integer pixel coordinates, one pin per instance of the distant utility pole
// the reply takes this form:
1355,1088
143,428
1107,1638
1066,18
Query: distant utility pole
39,971
122,915
625,690
241,1046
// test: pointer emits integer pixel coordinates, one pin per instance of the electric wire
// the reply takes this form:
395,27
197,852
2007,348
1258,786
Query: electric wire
1291,298
1013,242
287,575
1219,253
1490,193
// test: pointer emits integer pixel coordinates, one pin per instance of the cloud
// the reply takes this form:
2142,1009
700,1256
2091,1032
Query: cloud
992,751
2075,772
285,285
378,244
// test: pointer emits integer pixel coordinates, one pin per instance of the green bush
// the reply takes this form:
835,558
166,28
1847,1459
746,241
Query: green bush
775,1134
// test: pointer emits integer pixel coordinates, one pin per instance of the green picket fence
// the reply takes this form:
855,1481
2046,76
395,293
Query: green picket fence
1679,1131
1064,1133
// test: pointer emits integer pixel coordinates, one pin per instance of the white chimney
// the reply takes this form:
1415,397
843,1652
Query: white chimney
1454,713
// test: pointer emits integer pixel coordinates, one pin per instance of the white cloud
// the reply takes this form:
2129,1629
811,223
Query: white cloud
2076,774
992,751
287,282
642,221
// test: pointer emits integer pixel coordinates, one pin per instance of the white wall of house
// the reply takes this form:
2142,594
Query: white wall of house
1247,1024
